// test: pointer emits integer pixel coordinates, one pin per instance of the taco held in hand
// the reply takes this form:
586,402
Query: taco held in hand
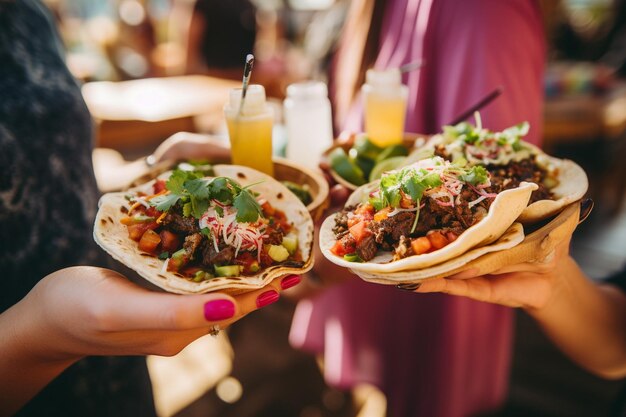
203,234
421,215
512,160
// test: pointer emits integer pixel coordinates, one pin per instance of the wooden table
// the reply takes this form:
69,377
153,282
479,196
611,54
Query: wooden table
139,114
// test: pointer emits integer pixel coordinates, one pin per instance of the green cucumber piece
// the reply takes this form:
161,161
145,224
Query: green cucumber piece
228,270
278,253
290,242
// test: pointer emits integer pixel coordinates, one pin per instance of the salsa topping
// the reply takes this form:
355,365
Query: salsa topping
206,227
506,156
417,209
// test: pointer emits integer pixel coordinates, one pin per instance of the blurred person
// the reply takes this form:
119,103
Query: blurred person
436,355
221,33
48,200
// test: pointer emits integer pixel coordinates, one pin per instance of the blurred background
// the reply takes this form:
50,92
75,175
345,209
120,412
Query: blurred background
152,68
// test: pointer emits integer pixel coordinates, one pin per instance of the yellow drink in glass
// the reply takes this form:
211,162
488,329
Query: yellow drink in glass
384,119
250,129
385,107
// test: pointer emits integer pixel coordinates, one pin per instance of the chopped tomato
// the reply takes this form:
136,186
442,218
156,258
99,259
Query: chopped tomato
268,210
421,245
344,246
159,186
248,262
136,231
437,239
170,242
360,231
190,271
153,212
451,236
382,214
405,201
266,260
149,241
365,210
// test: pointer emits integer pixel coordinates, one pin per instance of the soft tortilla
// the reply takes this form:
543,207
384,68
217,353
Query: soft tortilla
512,237
112,236
503,211
572,181
572,186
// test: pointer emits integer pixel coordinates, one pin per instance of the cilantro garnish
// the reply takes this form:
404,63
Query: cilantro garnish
476,175
195,194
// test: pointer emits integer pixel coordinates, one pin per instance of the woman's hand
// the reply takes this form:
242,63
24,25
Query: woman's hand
114,173
587,321
83,311
185,145
530,285
92,311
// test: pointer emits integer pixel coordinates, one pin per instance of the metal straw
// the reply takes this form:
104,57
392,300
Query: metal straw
482,103
412,66
247,72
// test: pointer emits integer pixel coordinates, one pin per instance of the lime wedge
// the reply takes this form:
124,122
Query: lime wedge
363,148
386,165
391,151
345,168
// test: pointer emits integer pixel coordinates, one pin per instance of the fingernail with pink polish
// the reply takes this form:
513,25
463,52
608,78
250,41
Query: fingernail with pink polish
290,281
267,298
219,310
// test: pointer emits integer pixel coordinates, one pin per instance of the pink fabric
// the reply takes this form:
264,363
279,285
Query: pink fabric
432,354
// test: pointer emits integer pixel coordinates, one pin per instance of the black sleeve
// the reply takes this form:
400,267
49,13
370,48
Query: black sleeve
618,279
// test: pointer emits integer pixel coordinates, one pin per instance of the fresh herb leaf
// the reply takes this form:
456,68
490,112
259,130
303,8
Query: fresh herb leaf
199,206
248,209
176,181
187,209
476,175
206,231
197,188
165,202
390,186
220,189
164,255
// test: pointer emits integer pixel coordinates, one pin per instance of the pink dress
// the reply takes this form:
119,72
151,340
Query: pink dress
433,354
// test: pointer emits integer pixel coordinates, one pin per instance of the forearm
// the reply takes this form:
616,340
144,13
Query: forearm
24,370
587,322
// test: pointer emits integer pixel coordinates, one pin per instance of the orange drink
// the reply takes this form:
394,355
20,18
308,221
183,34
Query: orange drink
385,107
250,129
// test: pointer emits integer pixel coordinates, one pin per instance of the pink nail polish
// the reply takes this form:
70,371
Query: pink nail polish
267,298
219,310
290,281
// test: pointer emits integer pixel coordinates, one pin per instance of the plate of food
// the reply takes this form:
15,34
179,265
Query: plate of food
421,215
356,160
235,230
512,160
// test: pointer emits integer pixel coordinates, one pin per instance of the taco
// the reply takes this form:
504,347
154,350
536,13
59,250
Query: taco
421,215
186,233
511,161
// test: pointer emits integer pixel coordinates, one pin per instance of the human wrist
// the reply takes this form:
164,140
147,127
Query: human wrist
42,338
559,290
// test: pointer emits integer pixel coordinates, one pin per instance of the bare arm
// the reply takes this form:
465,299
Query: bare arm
585,320
83,311
114,173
